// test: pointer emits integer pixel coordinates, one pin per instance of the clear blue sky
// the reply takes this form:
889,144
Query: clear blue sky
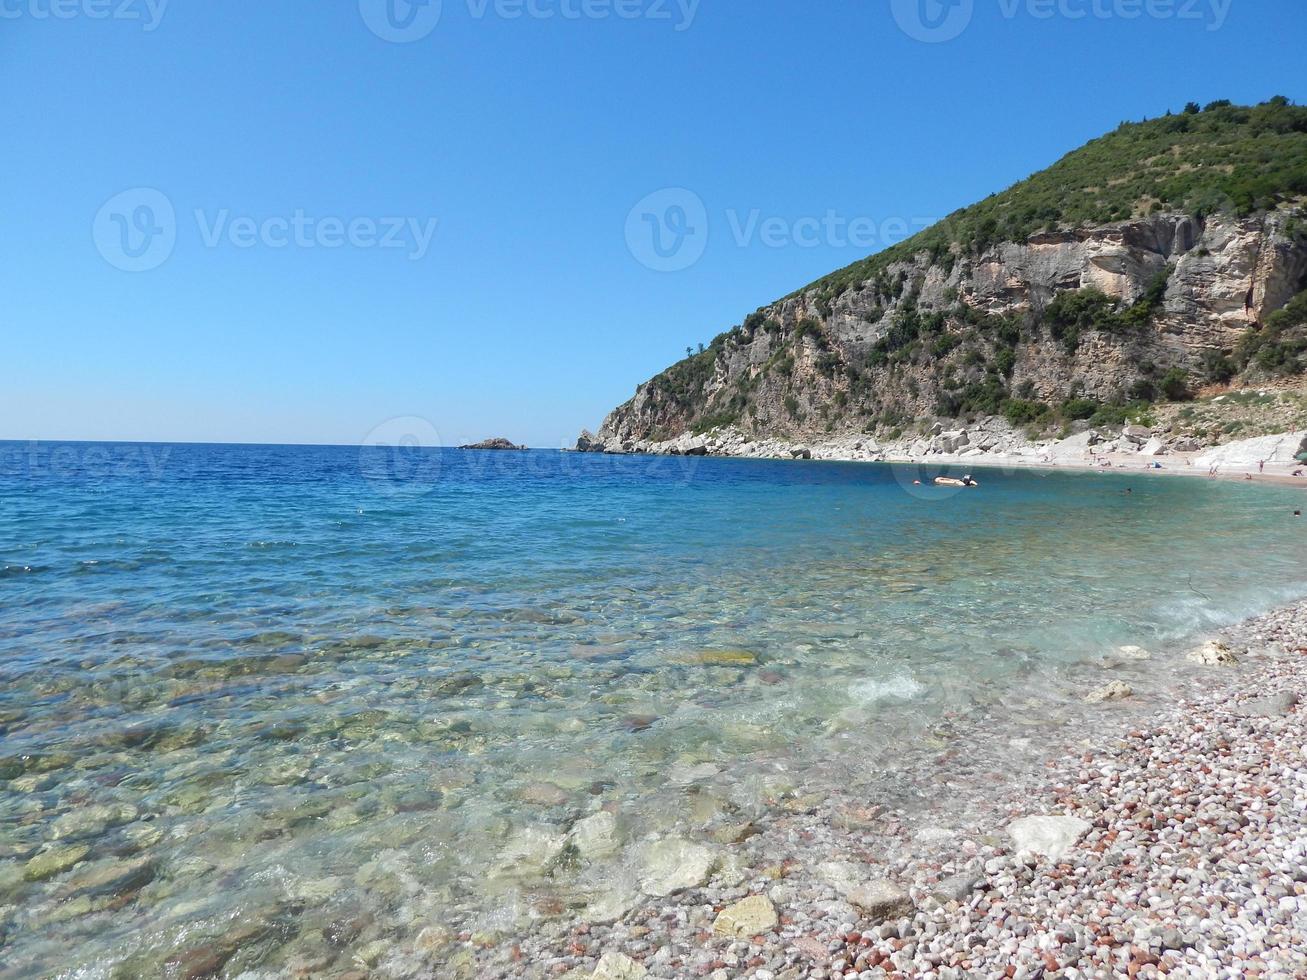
528,140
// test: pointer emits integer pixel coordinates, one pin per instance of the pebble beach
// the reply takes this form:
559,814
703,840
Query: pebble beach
1171,840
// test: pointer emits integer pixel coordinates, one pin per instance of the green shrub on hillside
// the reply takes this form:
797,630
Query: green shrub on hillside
1175,385
1280,346
1025,413
1079,409
1073,312
1217,367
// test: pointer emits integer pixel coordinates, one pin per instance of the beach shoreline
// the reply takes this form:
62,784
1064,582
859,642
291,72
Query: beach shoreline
1187,464
1120,465
1175,814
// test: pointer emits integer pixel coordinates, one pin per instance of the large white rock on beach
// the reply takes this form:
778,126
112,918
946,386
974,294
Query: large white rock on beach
1246,454
878,898
750,917
673,865
1138,434
1074,448
1213,653
1153,447
1047,835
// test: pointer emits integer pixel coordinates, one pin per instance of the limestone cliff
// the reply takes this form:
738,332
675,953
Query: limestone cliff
1082,314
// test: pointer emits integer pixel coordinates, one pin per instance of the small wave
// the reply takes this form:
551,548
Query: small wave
902,687
1185,616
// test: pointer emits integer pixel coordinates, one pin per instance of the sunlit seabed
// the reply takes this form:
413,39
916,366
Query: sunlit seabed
301,686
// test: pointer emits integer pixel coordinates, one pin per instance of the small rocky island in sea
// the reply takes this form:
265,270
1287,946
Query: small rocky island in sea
497,444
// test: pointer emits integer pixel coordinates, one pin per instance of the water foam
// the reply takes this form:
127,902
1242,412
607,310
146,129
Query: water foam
900,686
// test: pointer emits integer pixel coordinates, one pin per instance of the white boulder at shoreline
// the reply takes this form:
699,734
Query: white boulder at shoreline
1214,653
1249,454
1049,836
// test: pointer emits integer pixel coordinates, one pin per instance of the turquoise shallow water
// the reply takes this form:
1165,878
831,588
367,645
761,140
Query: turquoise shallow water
296,686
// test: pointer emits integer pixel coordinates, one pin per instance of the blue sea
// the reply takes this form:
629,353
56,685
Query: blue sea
286,687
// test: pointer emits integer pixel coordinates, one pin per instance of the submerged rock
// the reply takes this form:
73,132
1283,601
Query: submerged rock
734,833
1051,836
199,962
433,938
638,723
673,865
750,917
724,658
878,898
530,851
1116,691
115,878
91,821
543,794
54,861
614,903
595,836
1133,653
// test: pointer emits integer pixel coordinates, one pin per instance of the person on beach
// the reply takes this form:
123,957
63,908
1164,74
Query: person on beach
1261,466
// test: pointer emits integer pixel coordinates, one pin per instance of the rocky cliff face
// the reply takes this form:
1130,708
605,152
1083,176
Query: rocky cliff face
1103,313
